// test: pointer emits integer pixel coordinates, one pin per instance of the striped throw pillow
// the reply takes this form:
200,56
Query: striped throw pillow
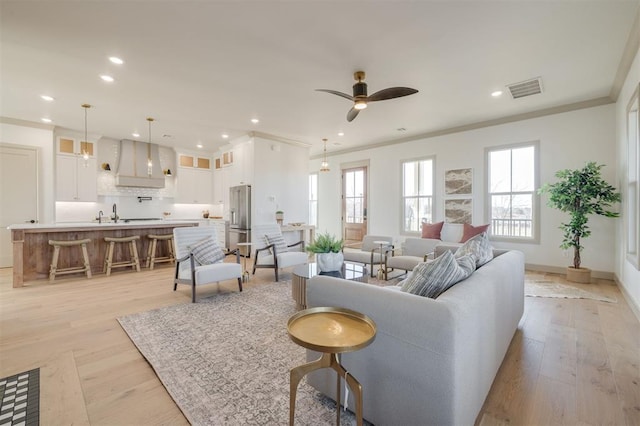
431,279
278,241
207,252
479,246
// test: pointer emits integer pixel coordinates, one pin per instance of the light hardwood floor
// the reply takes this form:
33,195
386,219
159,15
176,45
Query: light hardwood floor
570,362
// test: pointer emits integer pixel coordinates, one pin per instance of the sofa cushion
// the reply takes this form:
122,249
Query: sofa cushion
278,241
432,230
430,279
479,247
471,231
207,252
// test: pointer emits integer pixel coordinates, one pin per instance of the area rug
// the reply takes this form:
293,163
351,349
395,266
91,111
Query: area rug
226,359
547,288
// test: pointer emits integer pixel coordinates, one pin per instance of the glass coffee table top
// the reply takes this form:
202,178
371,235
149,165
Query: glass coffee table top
349,271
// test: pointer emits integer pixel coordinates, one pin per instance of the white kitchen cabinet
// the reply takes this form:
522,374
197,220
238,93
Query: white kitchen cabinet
220,186
241,171
76,178
72,146
194,186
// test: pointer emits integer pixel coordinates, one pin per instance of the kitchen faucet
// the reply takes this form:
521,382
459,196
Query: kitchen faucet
100,214
115,213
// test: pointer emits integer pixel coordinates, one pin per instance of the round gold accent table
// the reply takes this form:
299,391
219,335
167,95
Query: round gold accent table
330,331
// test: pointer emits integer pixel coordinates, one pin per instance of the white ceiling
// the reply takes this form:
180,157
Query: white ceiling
203,68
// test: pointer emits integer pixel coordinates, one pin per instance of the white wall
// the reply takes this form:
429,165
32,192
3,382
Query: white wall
281,181
627,274
567,140
42,139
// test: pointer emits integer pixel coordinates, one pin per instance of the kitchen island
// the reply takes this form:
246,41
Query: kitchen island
32,252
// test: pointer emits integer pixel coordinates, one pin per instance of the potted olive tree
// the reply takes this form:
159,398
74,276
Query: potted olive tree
580,193
328,250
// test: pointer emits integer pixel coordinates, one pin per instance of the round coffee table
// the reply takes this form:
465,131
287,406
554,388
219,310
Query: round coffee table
350,271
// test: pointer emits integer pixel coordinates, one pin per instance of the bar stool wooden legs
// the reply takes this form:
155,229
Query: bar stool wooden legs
86,266
151,251
133,261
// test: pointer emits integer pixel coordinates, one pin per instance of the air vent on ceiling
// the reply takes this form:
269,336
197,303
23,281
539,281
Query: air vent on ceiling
525,88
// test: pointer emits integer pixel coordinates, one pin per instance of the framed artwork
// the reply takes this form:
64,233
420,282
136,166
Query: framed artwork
458,210
458,182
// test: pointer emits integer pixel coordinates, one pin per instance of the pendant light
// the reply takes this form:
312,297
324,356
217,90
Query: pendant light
324,166
84,143
149,162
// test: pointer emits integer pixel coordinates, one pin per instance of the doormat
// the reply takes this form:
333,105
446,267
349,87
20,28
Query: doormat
20,399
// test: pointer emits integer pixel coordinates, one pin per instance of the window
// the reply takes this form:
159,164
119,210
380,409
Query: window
417,194
633,182
512,182
313,199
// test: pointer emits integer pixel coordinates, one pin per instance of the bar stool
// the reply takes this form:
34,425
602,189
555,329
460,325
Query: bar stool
86,267
151,251
133,261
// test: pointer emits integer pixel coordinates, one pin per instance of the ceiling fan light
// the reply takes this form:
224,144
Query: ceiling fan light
360,105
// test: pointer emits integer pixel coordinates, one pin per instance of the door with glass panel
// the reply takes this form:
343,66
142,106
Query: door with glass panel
354,204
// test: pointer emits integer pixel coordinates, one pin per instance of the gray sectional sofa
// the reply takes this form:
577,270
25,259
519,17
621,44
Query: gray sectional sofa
433,360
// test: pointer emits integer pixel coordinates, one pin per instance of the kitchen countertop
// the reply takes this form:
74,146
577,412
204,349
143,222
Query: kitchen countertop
95,225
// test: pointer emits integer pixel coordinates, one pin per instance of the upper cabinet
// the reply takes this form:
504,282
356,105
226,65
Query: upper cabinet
191,161
72,146
194,180
76,176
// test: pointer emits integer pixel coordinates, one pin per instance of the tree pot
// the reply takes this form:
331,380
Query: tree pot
329,262
580,275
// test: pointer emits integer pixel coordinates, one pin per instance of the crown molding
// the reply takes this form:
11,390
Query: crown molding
605,100
26,123
279,139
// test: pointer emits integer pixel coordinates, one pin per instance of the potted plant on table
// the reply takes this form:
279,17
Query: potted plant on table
580,193
328,250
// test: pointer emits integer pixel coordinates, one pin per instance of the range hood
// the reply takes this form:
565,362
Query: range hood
132,165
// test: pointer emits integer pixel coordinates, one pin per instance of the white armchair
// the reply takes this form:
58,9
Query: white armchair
369,253
189,271
414,251
272,250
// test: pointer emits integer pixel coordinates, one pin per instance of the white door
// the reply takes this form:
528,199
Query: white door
18,194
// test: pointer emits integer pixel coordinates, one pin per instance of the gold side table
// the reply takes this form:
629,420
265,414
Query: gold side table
330,331
245,274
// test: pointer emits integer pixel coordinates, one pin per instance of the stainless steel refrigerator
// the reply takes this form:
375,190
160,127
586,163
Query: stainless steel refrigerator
240,217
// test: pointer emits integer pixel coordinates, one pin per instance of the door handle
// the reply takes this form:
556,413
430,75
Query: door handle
31,221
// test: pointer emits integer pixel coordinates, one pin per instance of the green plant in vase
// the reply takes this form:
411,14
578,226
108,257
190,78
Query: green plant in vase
580,193
328,250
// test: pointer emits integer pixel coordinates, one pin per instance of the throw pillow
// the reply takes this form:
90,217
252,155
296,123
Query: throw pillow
278,241
471,231
431,279
432,230
207,252
479,246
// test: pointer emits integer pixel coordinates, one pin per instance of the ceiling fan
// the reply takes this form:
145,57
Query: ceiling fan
360,98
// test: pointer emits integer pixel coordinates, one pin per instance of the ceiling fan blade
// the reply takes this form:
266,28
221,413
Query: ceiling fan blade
353,113
334,92
391,93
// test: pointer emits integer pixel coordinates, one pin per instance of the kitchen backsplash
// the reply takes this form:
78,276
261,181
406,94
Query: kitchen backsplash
129,207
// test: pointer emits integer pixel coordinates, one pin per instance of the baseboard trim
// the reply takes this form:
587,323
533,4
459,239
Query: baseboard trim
562,270
634,308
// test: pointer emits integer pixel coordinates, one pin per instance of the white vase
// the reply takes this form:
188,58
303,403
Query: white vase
329,262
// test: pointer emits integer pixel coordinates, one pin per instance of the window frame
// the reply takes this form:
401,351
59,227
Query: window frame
535,199
632,187
311,201
431,158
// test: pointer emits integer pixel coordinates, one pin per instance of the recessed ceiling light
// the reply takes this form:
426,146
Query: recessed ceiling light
199,145
255,120
46,120
47,98
135,134
225,136
116,60
496,93
340,133
107,78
